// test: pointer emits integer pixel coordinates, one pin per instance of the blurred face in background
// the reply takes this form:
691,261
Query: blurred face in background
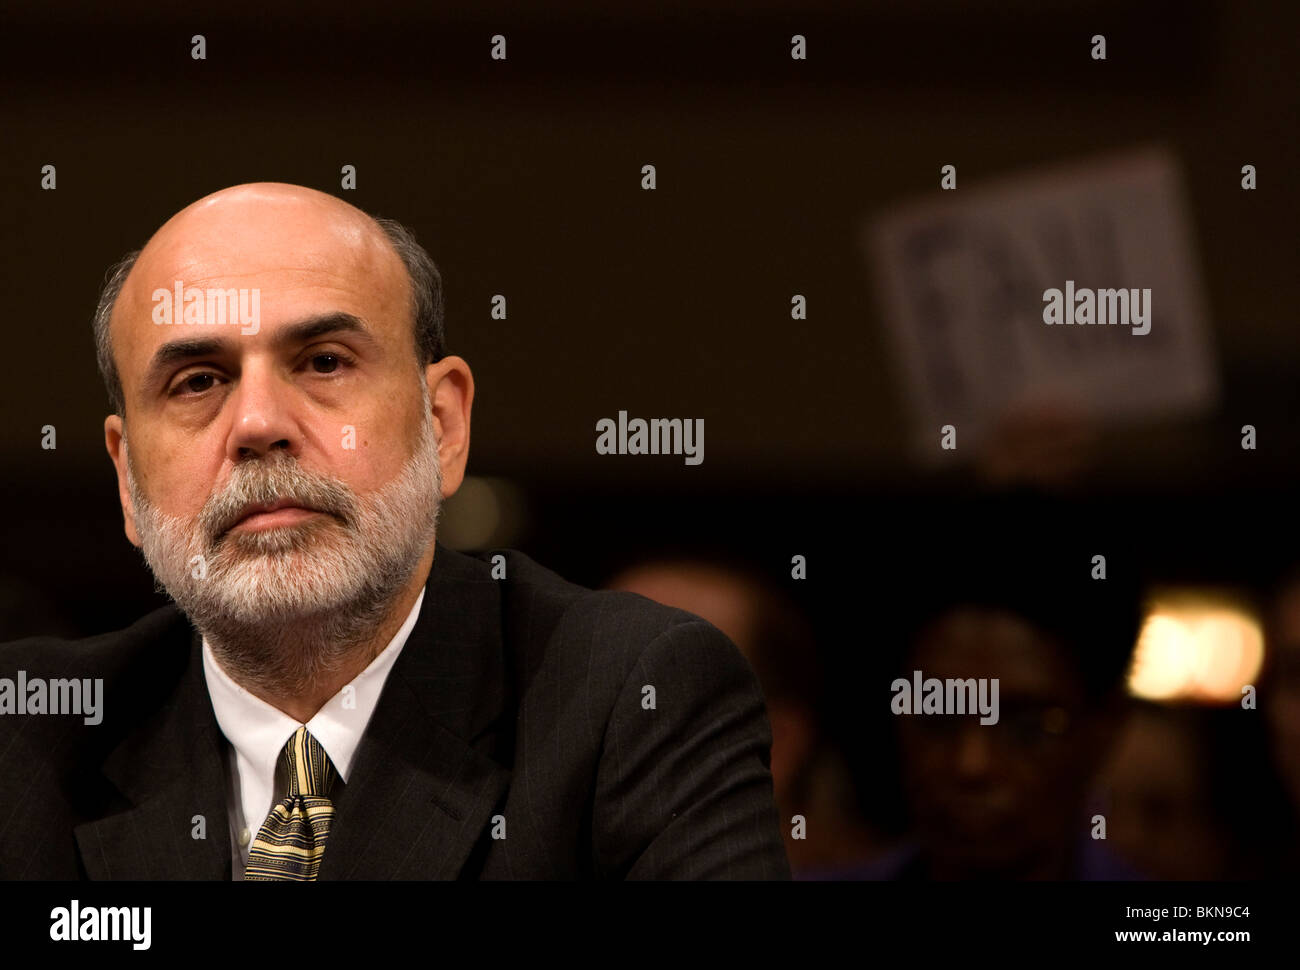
1283,708
1004,799
1160,813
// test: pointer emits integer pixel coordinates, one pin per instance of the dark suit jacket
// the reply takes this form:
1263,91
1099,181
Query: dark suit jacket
519,697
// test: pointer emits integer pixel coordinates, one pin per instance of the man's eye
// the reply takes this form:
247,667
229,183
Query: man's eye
195,384
328,362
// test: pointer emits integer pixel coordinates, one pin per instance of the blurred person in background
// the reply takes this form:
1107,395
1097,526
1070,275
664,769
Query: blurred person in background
1176,805
1010,799
808,771
1280,704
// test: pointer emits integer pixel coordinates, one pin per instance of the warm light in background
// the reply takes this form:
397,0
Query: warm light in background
1196,646
485,513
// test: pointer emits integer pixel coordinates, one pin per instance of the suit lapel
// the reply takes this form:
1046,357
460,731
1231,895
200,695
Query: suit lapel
423,785
171,770
422,788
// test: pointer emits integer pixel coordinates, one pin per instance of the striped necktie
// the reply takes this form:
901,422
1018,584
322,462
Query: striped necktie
291,841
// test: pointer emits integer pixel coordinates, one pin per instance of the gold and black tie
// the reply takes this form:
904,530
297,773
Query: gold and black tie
291,841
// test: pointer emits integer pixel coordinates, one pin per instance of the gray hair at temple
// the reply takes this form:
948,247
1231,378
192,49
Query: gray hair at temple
427,308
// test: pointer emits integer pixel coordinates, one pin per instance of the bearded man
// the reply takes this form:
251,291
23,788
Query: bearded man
334,694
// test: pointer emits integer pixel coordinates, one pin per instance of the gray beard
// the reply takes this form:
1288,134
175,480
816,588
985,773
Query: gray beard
284,608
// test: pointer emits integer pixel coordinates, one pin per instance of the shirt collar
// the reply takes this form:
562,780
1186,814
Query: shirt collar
259,731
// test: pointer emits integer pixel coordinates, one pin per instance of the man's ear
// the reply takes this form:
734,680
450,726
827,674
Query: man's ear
451,397
115,442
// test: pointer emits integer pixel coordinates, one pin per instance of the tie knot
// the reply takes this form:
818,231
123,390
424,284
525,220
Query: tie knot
307,765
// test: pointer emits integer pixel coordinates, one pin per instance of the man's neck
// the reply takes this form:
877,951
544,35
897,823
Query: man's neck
302,703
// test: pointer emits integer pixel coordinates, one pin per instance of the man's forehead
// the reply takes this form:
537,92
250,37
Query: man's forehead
993,643
288,242
265,229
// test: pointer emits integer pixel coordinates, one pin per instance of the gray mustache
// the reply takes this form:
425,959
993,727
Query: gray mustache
279,480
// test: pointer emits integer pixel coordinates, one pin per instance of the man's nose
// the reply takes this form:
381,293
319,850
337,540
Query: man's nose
262,418
974,753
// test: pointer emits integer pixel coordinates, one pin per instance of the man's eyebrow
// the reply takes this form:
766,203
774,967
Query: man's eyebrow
319,326
175,351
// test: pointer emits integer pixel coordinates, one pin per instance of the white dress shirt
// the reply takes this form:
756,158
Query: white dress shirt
257,733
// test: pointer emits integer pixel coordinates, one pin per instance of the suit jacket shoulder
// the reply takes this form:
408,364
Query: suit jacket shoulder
95,696
663,721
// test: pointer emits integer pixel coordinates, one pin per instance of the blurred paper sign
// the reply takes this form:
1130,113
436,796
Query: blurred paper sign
964,279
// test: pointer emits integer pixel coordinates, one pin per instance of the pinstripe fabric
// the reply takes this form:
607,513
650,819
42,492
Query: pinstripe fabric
291,842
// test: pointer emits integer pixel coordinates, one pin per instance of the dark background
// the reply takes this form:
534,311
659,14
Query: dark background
523,178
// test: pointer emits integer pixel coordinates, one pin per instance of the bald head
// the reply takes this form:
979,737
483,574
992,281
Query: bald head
298,237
